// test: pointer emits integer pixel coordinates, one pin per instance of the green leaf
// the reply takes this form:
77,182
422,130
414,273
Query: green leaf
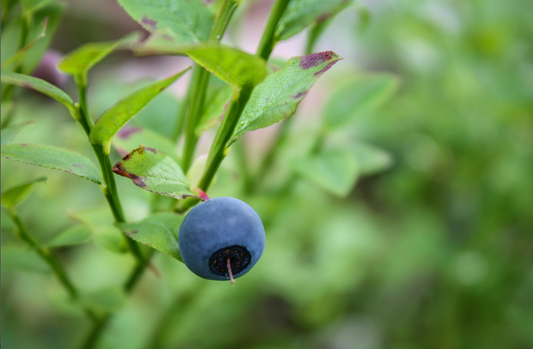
302,13
103,232
54,158
154,171
187,21
72,236
197,170
159,231
39,85
6,221
23,259
233,66
118,115
31,55
359,96
277,97
371,159
80,61
14,195
129,137
214,109
333,170
10,132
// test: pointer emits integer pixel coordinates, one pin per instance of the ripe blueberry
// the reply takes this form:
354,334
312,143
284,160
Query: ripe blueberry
221,239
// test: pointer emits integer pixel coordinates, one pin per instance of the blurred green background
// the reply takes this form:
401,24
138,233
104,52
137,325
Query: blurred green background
436,251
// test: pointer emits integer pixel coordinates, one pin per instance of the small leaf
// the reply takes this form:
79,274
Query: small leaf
277,97
361,95
14,195
197,170
10,132
159,231
187,21
371,159
54,158
154,171
80,61
129,137
334,170
23,259
302,13
119,114
233,66
18,57
39,85
214,109
72,236
104,234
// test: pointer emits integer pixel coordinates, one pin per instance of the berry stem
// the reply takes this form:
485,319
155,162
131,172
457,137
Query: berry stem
231,279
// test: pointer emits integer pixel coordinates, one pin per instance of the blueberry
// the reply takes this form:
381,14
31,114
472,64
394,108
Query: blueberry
218,232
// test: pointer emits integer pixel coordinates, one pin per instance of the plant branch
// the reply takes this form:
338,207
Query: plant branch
268,40
50,259
198,88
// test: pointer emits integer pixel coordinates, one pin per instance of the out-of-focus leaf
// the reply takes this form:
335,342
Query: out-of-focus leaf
6,222
119,114
23,259
214,110
364,18
108,300
129,137
159,231
39,85
361,95
104,234
302,13
187,21
197,170
335,170
10,132
277,97
233,66
371,159
72,236
18,57
54,158
154,171
14,195
84,58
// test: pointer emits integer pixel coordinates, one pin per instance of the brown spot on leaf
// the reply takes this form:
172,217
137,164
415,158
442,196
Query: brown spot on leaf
151,149
78,165
133,232
315,59
325,69
149,22
127,131
299,95
121,171
324,17
24,144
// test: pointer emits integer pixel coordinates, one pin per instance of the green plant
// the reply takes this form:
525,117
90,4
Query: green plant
256,95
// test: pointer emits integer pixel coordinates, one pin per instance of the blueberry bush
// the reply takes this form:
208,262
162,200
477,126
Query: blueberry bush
353,174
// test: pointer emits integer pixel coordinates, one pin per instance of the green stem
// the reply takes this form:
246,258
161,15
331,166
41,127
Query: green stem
109,186
198,88
268,40
49,258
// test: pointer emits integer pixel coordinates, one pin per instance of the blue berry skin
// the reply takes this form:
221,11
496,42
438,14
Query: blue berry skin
218,229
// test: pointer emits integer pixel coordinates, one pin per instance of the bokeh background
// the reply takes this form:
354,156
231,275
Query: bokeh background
435,251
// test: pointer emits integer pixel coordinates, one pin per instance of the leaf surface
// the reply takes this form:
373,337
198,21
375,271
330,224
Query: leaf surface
334,170
277,97
159,231
187,21
10,132
154,171
118,115
72,236
54,158
14,195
